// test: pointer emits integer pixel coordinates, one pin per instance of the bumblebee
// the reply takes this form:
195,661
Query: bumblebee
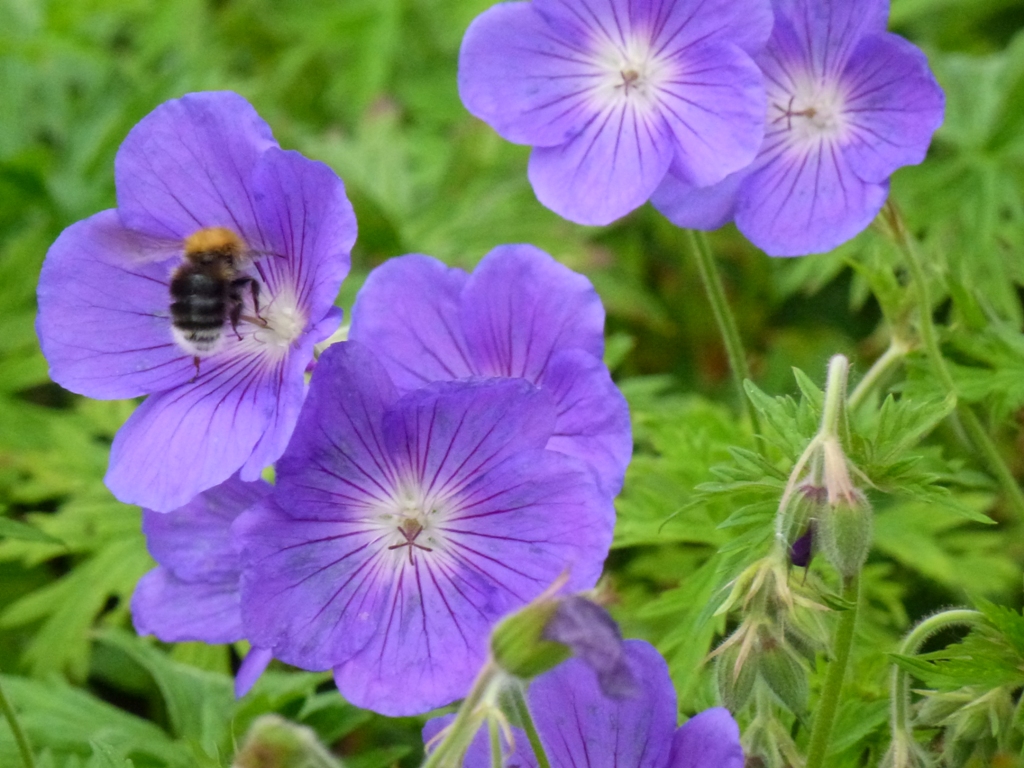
207,291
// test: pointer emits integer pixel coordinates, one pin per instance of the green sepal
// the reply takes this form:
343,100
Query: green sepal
519,647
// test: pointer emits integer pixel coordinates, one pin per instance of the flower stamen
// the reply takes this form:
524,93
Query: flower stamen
410,530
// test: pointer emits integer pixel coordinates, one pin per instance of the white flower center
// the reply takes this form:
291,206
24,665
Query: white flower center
812,113
630,73
283,321
410,522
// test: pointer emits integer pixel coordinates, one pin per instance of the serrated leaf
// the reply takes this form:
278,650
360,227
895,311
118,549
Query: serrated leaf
811,392
65,720
199,703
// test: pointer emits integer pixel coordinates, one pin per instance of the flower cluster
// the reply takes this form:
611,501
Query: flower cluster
787,117
440,469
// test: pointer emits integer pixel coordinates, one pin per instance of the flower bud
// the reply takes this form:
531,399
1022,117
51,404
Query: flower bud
735,678
785,674
798,514
519,645
844,532
273,742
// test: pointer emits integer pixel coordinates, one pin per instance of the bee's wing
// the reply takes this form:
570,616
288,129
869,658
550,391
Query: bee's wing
146,249
140,248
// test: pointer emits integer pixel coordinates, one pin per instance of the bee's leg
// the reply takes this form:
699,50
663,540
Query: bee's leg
236,314
195,362
254,289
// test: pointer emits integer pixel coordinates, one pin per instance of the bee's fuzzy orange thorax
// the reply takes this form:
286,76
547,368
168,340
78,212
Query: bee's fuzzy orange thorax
214,239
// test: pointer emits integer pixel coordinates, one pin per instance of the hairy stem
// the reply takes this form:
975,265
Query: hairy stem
19,735
724,319
892,357
828,704
463,728
526,719
972,424
835,396
899,686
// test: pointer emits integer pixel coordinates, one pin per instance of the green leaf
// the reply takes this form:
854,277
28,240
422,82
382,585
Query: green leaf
199,703
66,720
12,529
104,756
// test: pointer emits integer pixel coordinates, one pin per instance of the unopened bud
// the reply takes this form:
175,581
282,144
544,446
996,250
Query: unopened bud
735,677
786,675
844,532
519,645
799,512
273,742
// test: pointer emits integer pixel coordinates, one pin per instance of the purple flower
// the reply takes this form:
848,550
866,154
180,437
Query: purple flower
612,93
193,593
848,104
592,634
580,726
403,526
520,314
204,161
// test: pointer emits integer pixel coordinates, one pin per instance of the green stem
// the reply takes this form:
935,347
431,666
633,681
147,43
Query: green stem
526,719
828,704
892,357
492,726
835,396
19,735
467,722
970,420
899,687
724,319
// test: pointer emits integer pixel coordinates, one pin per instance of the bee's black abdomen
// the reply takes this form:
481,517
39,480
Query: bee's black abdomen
201,301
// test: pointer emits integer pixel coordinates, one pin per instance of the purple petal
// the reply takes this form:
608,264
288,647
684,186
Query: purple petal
746,23
593,416
594,637
579,725
193,542
254,665
528,79
447,433
686,205
714,105
237,416
893,106
520,307
337,456
311,589
517,755
104,323
607,170
408,312
830,29
307,223
709,740
180,611
188,165
806,200
309,586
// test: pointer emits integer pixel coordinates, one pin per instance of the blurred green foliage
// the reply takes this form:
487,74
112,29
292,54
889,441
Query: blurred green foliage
369,87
